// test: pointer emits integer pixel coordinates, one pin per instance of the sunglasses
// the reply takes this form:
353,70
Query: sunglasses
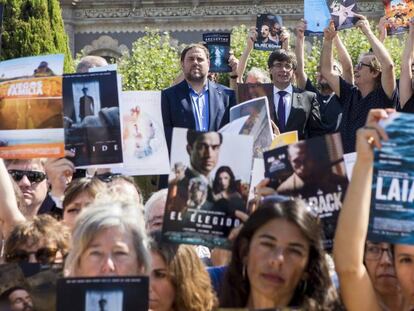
44,256
32,176
360,64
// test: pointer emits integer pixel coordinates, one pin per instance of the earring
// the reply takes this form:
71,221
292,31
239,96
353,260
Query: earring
244,271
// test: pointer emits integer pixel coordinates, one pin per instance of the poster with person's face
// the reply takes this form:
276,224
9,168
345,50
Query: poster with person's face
91,118
398,14
206,186
218,45
313,170
31,112
103,294
269,30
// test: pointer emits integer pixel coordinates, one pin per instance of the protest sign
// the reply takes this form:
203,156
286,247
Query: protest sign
247,91
218,45
103,293
269,28
31,116
398,14
392,209
206,186
313,170
92,123
342,13
317,17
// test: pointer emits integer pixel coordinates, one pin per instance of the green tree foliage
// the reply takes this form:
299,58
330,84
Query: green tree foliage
34,27
153,64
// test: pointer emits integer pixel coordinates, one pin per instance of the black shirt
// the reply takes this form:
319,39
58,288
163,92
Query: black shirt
356,108
330,107
408,107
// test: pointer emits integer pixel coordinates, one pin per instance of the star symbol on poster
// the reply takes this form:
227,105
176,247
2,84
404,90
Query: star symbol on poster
343,13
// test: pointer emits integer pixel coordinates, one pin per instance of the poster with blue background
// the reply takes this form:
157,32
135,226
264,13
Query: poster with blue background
317,16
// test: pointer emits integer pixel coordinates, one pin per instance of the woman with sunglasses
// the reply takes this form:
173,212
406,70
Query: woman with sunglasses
278,261
373,285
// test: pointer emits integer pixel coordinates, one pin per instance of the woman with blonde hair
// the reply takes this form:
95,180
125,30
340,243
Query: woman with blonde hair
178,279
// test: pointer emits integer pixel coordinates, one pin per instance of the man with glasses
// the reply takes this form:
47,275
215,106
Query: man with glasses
374,85
293,109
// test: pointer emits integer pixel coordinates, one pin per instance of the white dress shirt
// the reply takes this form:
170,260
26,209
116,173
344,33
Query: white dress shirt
287,99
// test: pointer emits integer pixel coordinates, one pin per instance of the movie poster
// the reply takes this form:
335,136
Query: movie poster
398,14
33,284
31,116
392,208
144,147
342,13
103,293
317,17
206,186
92,122
218,44
313,170
269,29
252,118
247,91
284,139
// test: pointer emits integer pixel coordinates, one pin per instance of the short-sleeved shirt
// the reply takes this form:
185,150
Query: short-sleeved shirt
408,107
330,107
356,108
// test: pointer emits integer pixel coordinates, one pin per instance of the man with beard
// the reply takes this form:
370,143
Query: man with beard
330,107
18,299
196,103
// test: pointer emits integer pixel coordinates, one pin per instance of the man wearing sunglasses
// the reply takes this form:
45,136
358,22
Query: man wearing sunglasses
374,85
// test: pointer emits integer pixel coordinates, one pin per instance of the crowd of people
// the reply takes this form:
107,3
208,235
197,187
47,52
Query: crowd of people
98,226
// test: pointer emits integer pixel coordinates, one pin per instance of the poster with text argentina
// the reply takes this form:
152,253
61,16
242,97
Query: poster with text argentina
392,209
31,110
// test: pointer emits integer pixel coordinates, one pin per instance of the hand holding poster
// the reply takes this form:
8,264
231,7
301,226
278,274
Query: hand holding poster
392,208
218,45
31,112
313,170
206,186
270,32
398,14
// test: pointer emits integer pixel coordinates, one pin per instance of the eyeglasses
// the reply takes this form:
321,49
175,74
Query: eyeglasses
32,176
360,64
374,252
108,177
287,66
44,255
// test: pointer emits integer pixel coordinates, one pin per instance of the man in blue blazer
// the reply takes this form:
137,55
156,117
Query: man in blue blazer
196,103
293,109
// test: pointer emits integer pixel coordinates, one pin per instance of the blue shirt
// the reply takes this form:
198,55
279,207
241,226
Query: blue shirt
201,109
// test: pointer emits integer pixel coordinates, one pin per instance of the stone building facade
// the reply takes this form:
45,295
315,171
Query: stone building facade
108,28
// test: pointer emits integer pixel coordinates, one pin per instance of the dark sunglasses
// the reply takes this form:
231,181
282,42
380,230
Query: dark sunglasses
360,64
44,256
32,176
108,177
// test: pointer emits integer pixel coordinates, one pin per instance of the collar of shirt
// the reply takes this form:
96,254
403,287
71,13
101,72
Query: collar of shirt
194,93
289,90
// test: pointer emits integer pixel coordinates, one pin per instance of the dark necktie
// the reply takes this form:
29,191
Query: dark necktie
281,114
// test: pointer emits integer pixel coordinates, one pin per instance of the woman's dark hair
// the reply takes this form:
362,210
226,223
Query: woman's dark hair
312,295
216,184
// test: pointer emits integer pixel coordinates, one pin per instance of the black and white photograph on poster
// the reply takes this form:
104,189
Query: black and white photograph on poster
269,31
313,170
103,300
91,118
206,186
343,13
218,45
103,294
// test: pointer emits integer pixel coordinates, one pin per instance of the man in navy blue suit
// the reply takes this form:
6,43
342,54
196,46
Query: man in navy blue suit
196,103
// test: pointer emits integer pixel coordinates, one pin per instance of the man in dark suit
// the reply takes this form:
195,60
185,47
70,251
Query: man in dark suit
293,109
86,105
196,103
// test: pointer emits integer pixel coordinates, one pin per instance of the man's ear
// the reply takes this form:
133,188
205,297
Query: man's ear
189,149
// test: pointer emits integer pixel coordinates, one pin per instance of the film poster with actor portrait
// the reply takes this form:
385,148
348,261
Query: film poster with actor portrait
103,294
206,186
398,14
34,285
143,140
313,170
392,199
92,122
252,118
31,111
269,29
218,45
342,13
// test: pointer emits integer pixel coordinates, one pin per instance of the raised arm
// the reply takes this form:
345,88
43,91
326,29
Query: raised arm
301,76
357,290
406,90
10,214
382,28
327,59
387,65
345,60
251,38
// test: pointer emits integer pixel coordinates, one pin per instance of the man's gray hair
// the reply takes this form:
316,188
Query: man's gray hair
261,75
90,61
154,198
